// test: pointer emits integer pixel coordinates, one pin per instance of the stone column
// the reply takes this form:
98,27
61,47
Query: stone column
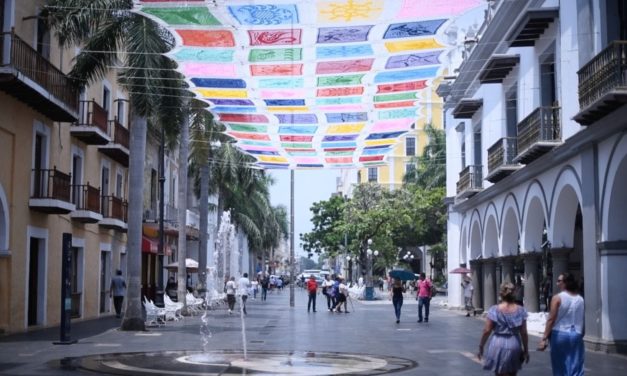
613,257
531,287
507,269
559,257
489,286
476,275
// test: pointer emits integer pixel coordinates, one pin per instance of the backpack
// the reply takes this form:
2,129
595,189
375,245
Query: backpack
433,291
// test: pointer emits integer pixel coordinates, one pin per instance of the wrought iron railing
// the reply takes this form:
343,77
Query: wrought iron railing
114,207
542,125
86,197
470,178
51,184
33,65
502,153
120,134
92,115
605,72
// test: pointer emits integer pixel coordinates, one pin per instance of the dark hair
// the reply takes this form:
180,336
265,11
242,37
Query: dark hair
570,284
422,275
118,272
245,275
507,292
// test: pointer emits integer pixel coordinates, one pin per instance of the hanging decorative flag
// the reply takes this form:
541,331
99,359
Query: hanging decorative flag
315,83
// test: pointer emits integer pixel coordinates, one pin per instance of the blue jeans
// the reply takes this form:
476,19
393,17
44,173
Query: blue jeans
567,353
264,293
423,301
398,303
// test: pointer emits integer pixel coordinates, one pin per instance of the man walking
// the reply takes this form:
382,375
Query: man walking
243,285
312,288
264,287
230,294
118,290
424,297
469,289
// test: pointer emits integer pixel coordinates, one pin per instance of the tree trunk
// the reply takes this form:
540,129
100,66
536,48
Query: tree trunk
204,236
133,315
182,213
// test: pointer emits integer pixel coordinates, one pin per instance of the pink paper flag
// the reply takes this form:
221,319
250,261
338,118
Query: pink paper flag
422,9
209,70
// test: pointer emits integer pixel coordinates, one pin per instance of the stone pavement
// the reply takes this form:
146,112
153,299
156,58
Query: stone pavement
444,346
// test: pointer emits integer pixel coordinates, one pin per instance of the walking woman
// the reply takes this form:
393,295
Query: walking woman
564,329
507,322
397,298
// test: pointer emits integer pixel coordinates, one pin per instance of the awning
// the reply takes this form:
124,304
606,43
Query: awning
150,245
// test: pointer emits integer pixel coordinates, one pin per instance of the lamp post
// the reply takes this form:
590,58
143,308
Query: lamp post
369,292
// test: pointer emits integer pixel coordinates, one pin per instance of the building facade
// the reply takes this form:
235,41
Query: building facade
537,157
63,169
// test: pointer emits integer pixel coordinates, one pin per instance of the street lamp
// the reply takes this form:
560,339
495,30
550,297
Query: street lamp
369,292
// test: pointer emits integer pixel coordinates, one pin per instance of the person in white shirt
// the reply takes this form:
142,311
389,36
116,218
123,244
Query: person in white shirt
243,285
468,291
229,288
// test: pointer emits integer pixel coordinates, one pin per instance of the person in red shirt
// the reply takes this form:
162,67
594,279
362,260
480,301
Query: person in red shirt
312,288
424,296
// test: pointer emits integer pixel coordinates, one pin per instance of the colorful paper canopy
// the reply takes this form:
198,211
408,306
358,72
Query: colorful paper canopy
311,84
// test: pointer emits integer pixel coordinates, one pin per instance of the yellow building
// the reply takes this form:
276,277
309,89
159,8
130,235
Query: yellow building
63,169
407,147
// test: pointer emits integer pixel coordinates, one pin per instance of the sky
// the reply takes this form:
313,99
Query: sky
309,186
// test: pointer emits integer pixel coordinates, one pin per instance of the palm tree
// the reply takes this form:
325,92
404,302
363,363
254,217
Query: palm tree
109,34
430,171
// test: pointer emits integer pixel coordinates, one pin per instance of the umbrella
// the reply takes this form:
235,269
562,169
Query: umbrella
460,270
190,264
403,275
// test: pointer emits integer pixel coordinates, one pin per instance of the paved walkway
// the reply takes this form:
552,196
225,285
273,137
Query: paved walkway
444,346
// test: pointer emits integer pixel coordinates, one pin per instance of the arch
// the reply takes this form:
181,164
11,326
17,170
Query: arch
463,247
475,236
535,217
510,233
566,199
4,222
490,238
510,202
614,199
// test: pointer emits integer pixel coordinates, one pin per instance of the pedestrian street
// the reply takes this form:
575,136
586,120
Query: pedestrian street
280,340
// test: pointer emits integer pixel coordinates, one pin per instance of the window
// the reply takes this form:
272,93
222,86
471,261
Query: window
410,146
119,184
373,174
41,139
477,145
511,111
106,98
43,38
76,281
409,168
77,177
548,89
153,190
120,114
463,154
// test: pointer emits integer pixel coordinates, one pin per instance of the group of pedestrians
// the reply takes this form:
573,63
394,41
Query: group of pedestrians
334,289
505,332
424,292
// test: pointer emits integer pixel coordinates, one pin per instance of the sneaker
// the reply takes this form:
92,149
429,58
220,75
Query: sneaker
230,312
346,312
419,320
426,320
397,321
468,314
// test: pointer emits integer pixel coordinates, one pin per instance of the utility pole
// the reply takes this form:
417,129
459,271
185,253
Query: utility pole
159,298
291,238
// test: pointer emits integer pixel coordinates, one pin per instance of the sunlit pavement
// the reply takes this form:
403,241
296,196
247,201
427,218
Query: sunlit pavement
364,339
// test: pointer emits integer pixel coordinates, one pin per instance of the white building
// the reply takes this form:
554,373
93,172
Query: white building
536,123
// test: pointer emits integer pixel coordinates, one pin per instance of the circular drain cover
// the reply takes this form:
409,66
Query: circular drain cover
226,362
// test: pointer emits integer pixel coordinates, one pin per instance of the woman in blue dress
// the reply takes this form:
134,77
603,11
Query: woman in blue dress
507,322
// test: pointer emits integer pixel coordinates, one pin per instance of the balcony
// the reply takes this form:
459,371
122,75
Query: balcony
603,83
51,192
470,181
29,77
92,125
118,148
501,159
114,213
87,201
538,133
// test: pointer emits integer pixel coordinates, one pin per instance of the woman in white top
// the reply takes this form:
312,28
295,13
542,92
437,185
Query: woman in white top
564,329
